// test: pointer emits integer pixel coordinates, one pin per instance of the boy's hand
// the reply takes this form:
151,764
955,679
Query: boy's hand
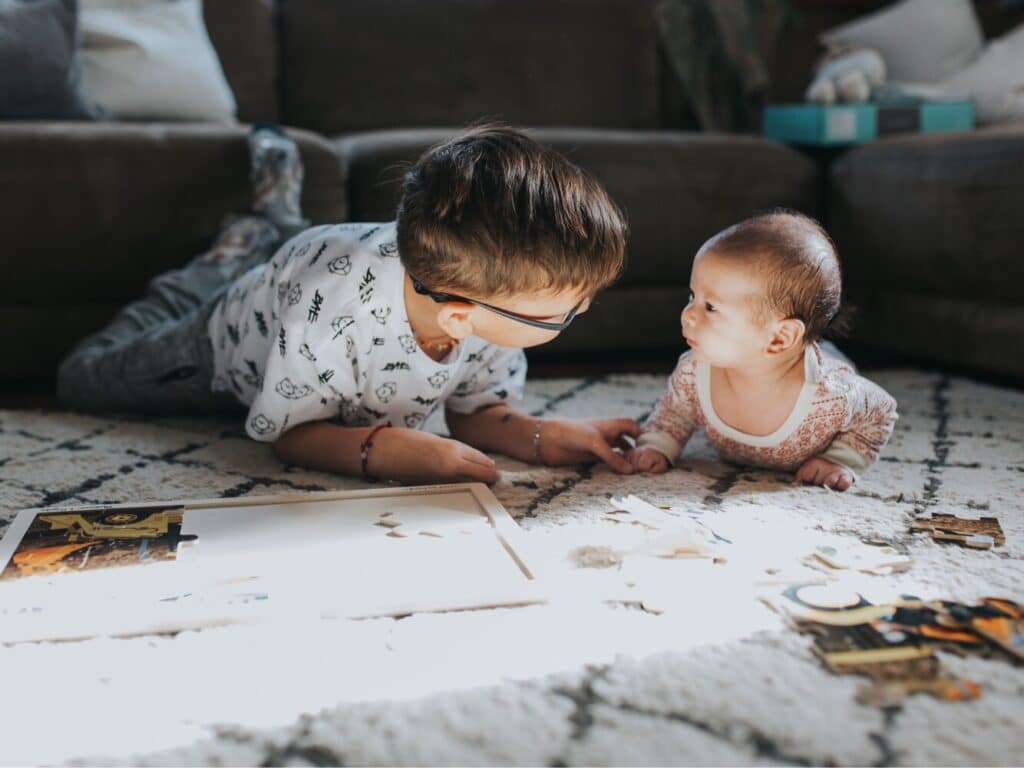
819,471
565,441
648,460
411,456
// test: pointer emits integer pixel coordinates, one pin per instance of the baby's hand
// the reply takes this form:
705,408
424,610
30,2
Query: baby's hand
647,460
819,471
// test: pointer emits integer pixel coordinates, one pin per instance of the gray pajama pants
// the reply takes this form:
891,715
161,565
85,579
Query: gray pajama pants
155,356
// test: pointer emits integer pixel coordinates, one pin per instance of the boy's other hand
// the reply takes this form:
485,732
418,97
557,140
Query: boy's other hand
411,456
565,441
648,461
819,471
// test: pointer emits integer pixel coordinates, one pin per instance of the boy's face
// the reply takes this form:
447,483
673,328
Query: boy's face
549,306
720,322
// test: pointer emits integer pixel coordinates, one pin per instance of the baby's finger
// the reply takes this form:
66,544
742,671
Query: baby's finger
844,481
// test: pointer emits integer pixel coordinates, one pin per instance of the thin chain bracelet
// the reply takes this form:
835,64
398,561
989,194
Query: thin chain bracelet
536,442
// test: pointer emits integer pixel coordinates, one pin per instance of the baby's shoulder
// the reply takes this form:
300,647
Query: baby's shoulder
838,379
686,367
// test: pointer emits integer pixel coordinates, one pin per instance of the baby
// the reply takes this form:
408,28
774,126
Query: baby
756,380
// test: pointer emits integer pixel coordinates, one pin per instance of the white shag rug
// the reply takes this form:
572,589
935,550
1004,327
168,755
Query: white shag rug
716,678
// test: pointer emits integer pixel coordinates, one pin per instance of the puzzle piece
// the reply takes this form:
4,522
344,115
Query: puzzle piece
859,556
982,533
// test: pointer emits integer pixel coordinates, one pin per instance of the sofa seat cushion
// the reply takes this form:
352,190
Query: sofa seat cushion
102,208
677,189
938,215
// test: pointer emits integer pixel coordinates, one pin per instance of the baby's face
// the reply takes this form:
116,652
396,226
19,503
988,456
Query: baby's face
720,323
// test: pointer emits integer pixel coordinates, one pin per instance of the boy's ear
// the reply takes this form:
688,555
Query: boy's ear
455,319
788,333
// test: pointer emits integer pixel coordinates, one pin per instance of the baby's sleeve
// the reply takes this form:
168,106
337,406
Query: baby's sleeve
870,420
495,377
674,418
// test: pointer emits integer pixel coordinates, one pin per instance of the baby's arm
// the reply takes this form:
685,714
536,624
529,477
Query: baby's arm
667,429
872,416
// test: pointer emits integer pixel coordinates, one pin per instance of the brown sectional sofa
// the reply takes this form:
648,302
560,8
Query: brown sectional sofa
92,211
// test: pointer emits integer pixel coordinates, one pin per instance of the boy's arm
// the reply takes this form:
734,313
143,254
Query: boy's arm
395,453
503,429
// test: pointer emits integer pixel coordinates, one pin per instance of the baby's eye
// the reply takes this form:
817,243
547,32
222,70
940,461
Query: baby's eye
689,299
709,306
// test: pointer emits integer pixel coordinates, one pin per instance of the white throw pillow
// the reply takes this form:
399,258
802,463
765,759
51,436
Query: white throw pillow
922,41
995,81
152,60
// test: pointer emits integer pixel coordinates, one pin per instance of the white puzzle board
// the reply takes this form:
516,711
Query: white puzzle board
127,569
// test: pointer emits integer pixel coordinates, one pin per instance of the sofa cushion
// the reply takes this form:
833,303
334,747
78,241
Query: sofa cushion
677,189
39,65
937,215
244,33
366,64
152,60
118,203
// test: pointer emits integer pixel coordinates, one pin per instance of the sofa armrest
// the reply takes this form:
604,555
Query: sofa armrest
92,211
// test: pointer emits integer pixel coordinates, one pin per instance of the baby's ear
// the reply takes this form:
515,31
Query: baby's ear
788,334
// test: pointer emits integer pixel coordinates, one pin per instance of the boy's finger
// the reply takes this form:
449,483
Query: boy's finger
477,457
604,452
470,470
615,428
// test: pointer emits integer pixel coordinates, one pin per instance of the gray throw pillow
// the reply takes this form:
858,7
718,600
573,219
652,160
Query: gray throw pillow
38,61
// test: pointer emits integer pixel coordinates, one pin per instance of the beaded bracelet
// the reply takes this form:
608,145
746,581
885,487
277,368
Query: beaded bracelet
536,442
364,449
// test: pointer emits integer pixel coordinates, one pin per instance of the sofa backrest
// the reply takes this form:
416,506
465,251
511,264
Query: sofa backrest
244,32
361,65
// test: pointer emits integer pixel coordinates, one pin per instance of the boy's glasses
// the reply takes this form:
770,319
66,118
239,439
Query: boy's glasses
547,325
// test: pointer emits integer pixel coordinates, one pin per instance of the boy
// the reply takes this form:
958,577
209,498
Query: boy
351,335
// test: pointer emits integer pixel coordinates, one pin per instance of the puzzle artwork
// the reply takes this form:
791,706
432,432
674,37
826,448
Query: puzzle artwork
129,569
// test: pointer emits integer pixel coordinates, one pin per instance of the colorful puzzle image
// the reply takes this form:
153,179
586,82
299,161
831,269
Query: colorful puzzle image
79,572
90,539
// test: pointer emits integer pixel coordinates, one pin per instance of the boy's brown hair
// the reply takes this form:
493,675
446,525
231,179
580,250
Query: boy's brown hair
492,212
800,265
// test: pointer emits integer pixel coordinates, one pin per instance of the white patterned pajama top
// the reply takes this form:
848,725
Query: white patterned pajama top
320,332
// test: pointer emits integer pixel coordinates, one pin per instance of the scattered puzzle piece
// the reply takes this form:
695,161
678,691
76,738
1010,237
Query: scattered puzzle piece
385,523
982,533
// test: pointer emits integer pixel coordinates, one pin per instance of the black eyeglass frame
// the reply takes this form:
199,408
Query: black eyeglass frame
444,298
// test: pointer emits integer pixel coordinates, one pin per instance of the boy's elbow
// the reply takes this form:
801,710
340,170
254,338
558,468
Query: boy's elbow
283,448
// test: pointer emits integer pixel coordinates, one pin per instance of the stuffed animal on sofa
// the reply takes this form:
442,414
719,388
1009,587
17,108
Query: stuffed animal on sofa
848,75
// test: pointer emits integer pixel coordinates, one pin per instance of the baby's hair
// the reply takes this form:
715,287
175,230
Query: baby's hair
798,259
493,212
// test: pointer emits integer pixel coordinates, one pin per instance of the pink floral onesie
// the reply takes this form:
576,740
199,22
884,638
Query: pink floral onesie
838,415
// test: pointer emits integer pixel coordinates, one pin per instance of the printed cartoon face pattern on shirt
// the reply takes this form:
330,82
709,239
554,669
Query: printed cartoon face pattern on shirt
321,333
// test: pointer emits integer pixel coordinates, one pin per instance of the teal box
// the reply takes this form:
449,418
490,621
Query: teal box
821,125
840,124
